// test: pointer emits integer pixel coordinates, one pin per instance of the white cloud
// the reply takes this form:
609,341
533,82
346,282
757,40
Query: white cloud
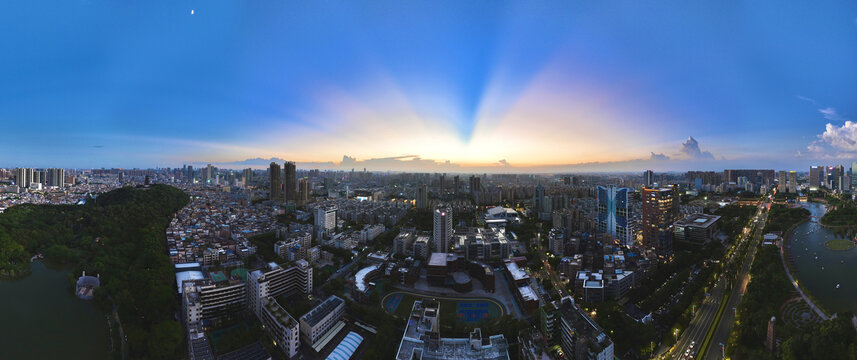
831,114
691,149
842,138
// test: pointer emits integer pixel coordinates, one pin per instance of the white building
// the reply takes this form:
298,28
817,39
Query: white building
442,231
321,319
325,218
275,281
281,326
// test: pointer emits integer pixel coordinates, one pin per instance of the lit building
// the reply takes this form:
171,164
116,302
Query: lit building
696,228
793,179
614,212
816,174
659,211
580,337
442,230
280,326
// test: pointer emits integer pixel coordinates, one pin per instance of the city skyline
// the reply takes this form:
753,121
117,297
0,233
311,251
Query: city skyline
485,87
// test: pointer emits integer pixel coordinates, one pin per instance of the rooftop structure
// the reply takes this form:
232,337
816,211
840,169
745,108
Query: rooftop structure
346,348
421,339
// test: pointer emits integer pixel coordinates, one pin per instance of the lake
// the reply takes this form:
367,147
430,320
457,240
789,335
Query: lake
42,319
820,269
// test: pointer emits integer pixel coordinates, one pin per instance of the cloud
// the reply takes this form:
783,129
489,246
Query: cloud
658,157
842,138
831,114
809,100
690,148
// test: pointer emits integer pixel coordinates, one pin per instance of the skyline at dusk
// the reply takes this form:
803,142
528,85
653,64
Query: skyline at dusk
574,86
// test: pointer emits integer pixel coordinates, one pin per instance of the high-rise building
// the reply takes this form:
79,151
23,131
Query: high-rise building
457,185
475,184
421,199
793,180
289,181
816,175
854,175
190,174
55,177
660,210
648,178
442,230
276,183
23,177
303,192
614,213
539,205
782,184
247,174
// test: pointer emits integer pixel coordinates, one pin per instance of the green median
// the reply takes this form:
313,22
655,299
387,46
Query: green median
706,343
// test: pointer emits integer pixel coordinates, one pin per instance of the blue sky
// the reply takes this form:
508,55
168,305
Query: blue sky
139,84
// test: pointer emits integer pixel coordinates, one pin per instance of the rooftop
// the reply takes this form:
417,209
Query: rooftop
698,220
319,312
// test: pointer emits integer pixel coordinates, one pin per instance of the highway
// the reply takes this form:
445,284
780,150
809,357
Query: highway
693,337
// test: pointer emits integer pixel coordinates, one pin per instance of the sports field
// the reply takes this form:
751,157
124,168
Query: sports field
466,310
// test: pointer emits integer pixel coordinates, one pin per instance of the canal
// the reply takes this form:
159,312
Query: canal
820,269
40,318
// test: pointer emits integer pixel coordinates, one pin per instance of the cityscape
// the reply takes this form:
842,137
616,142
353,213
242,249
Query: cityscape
283,180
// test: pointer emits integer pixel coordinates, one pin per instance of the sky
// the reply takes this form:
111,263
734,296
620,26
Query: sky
436,85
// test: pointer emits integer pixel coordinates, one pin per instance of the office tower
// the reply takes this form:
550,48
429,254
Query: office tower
457,185
290,181
648,178
55,177
303,192
475,184
190,174
276,183
614,213
854,175
793,180
828,177
782,185
209,174
421,199
442,231
815,175
660,210
566,180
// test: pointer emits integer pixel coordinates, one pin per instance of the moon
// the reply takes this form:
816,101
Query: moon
191,11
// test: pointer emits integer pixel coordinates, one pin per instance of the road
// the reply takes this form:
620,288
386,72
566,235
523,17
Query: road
694,335
552,274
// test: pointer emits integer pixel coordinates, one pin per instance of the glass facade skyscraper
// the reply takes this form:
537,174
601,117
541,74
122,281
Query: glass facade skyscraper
614,213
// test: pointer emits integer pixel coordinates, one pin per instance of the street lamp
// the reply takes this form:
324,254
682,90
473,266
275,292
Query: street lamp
675,334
